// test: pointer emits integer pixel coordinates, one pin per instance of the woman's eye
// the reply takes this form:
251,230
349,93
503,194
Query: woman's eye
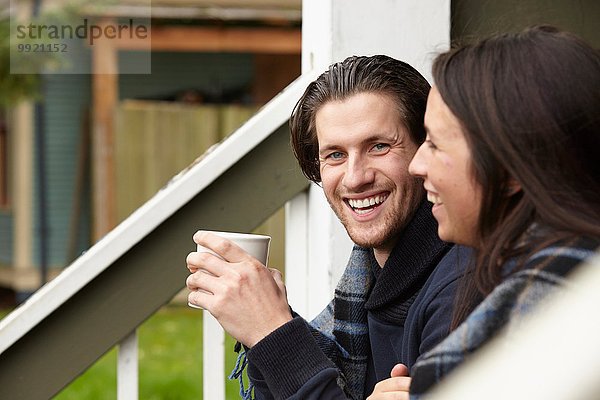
431,145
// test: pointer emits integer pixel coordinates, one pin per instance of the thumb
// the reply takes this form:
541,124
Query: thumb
399,370
278,280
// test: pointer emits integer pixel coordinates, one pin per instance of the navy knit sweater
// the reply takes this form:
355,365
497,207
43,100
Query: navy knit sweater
378,318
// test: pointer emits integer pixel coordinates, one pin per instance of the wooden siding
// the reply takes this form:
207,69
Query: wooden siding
154,141
66,102
6,238
67,98
216,74
476,18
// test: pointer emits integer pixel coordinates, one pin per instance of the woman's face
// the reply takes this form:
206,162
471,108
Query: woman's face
444,163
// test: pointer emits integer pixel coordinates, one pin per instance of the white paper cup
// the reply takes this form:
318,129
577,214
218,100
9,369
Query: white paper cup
255,245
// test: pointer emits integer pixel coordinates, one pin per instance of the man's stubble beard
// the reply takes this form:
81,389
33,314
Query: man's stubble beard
377,234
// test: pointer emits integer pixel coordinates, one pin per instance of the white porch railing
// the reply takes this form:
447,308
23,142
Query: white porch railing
213,359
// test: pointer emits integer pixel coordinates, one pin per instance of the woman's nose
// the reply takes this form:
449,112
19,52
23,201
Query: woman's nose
418,166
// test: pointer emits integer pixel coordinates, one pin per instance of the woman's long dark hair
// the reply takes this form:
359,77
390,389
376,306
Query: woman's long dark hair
529,104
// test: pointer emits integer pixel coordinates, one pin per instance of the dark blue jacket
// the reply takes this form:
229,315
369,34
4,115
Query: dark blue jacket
290,364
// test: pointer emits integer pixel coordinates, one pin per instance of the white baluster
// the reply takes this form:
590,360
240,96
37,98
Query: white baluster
213,349
127,368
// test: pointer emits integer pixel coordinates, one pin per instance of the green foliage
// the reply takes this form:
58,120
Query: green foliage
170,362
23,82
13,87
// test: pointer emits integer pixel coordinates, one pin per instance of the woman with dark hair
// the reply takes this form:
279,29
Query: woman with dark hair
511,165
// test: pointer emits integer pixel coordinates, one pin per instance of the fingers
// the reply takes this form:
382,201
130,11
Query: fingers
202,281
397,384
223,280
191,262
392,388
227,249
197,261
389,396
399,370
200,298
278,278
276,274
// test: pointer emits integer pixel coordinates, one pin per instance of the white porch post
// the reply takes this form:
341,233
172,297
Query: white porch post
317,246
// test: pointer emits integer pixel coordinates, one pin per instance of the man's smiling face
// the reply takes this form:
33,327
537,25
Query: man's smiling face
364,152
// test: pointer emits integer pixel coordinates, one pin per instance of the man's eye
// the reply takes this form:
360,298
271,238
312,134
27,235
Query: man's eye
336,155
381,147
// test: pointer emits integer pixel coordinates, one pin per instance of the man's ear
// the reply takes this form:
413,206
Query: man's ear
512,187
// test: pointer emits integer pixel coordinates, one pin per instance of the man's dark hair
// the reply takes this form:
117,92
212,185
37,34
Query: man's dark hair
376,74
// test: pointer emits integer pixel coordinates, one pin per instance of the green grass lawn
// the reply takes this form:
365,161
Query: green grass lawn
170,362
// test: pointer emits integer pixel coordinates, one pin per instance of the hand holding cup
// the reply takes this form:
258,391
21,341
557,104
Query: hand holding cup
230,280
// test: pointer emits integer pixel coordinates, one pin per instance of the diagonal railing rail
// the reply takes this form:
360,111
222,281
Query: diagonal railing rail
100,299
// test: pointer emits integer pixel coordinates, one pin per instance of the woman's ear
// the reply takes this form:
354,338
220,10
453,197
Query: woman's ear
512,187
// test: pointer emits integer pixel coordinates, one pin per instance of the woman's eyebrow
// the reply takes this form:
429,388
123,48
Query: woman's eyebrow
429,134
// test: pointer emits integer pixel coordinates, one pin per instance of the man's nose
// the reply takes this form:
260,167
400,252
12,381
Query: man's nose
358,173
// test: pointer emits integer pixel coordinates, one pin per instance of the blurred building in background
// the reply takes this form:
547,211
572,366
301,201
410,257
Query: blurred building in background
96,146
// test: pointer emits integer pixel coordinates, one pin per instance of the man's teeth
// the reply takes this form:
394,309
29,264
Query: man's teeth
433,198
365,203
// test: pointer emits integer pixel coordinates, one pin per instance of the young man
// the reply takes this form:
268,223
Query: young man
355,130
